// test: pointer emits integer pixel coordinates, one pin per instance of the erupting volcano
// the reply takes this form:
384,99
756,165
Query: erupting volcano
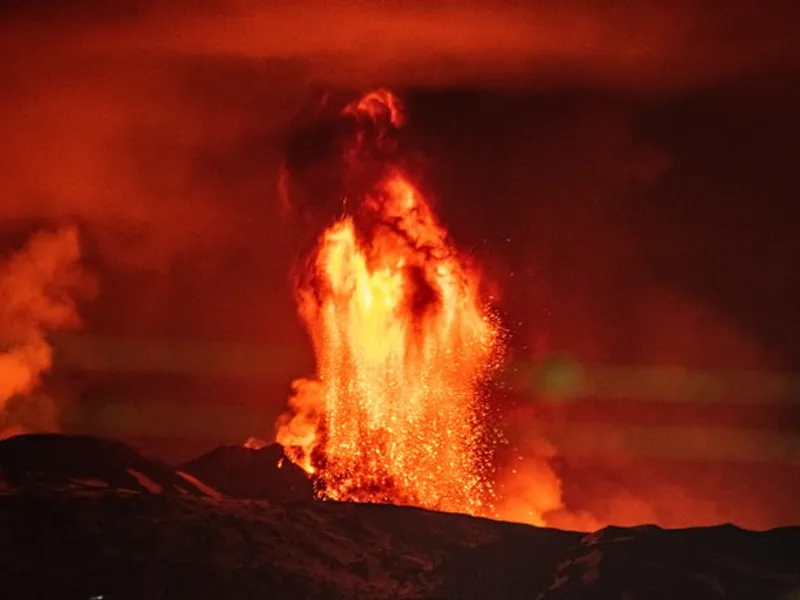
403,339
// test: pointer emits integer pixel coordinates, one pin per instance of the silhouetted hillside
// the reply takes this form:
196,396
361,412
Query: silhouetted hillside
56,461
82,517
240,472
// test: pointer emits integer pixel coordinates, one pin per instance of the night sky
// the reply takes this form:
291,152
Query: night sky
625,172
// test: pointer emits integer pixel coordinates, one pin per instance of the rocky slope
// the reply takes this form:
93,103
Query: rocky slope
113,543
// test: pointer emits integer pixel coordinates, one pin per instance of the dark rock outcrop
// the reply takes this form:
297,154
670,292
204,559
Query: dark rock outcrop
240,472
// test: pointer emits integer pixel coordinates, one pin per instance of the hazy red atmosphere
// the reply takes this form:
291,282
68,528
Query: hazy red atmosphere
624,177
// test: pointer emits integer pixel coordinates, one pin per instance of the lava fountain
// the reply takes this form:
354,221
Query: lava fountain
403,340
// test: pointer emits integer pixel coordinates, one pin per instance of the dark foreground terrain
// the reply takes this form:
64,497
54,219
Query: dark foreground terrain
145,539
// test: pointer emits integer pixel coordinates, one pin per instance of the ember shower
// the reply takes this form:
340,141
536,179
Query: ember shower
403,340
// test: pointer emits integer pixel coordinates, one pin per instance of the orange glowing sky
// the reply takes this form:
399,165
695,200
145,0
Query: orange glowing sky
624,174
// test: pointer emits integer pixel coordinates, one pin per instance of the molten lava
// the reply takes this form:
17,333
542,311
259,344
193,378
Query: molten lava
403,343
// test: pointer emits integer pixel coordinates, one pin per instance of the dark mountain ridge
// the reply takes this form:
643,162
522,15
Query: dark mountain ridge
57,461
67,541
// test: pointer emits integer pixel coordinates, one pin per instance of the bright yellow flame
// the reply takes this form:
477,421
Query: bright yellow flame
403,344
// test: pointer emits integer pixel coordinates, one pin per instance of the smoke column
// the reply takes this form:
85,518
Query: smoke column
39,286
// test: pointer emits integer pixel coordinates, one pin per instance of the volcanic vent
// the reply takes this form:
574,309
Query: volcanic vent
403,339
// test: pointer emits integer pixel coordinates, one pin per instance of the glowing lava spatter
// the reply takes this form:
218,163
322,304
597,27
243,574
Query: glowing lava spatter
403,343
